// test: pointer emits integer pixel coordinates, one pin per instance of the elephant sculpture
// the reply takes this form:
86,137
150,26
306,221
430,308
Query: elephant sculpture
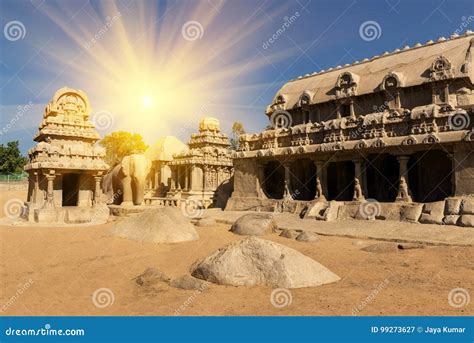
125,183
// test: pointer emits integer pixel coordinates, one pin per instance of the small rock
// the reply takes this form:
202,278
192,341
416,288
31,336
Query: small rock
288,234
188,282
254,224
207,221
151,276
404,246
307,236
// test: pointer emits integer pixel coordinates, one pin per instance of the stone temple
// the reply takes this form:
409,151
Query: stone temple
65,167
396,128
199,172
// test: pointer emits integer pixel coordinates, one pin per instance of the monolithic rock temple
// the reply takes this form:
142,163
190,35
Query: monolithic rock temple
66,168
197,171
396,128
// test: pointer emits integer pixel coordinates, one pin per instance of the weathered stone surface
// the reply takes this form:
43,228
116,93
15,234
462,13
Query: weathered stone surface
254,224
381,248
307,236
451,219
467,206
316,210
331,212
466,220
426,218
254,261
151,276
452,206
158,225
411,213
289,234
188,282
207,221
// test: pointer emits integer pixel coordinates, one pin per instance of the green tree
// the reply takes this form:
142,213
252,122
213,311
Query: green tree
11,160
120,144
237,130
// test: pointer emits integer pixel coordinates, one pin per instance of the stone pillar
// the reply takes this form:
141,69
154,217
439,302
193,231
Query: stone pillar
191,170
205,175
173,178
358,186
97,190
403,188
186,178
35,188
351,105
321,186
287,189
178,177
50,189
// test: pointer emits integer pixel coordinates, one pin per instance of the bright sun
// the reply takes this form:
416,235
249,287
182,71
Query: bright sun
147,101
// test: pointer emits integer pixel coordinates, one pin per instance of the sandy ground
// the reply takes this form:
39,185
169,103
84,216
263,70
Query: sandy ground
55,271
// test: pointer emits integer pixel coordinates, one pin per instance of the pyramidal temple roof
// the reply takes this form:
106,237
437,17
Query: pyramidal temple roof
410,64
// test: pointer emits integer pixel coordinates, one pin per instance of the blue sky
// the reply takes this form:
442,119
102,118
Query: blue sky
234,68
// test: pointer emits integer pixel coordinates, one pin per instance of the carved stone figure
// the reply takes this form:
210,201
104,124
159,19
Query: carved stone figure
125,183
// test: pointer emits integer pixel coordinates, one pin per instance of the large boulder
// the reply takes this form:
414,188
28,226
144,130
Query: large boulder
254,224
254,261
158,225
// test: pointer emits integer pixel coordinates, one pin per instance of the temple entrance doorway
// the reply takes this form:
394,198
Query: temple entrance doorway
382,175
70,189
340,180
273,182
303,179
430,176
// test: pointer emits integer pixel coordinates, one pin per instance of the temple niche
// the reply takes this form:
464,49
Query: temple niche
66,167
200,173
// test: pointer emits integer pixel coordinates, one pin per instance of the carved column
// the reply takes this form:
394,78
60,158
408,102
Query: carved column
35,188
287,191
186,178
358,187
97,190
404,193
320,180
50,189
173,178
178,178
205,176
191,170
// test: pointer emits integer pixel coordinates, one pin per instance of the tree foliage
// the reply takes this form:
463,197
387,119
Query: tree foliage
120,144
11,160
237,130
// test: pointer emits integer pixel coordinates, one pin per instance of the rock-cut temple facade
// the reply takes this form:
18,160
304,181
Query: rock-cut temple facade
395,128
65,166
